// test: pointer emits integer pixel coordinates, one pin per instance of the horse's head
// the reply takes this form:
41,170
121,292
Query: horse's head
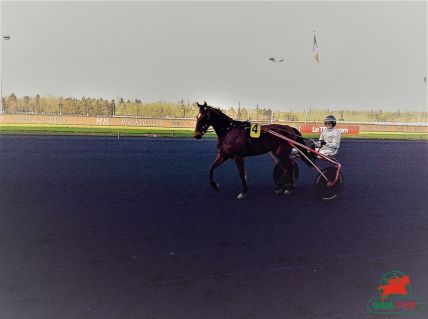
203,120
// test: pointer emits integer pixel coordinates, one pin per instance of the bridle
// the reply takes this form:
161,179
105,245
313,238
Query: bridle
205,126
209,114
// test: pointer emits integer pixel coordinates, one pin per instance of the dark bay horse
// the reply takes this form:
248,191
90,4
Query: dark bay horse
234,142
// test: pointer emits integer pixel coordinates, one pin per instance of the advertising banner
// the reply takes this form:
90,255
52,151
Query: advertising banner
318,128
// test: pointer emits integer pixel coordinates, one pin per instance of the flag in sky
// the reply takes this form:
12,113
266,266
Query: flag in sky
315,49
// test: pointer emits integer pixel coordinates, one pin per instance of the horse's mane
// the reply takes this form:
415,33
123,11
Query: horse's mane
220,112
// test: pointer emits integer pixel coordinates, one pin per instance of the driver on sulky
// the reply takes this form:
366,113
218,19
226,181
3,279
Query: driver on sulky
329,141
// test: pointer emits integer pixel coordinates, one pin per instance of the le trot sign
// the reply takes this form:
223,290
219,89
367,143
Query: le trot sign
318,128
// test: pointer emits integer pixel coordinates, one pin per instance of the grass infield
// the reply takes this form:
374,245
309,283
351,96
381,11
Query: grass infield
41,129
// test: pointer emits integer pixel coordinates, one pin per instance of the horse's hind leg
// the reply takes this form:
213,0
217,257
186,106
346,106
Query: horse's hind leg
239,160
217,162
279,185
289,188
283,154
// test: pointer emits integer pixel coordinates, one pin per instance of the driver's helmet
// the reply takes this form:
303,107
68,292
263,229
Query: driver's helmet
330,119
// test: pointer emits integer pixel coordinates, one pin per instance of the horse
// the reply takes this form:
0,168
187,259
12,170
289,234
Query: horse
234,142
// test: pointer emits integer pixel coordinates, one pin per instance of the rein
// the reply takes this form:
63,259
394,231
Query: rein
297,135
235,123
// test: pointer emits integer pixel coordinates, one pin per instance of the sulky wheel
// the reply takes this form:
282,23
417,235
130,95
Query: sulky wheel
280,176
324,191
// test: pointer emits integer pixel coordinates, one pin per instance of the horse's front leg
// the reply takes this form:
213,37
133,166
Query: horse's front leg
220,159
239,160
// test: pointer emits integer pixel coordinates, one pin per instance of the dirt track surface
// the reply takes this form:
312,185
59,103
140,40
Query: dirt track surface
106,228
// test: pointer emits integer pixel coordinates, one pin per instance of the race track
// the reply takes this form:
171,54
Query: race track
94,227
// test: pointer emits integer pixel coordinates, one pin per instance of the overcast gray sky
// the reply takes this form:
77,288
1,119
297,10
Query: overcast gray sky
372,54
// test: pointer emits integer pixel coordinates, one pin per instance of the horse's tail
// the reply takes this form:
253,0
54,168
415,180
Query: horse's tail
309,154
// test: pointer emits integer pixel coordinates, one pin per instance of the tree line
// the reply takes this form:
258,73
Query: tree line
86,106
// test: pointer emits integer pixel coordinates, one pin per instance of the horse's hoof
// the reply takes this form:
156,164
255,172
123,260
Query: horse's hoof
241,196
288,192
279,191
215,185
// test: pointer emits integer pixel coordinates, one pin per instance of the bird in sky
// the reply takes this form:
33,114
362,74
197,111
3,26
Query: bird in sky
275,60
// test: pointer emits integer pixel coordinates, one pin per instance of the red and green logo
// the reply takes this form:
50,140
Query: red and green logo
395,296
